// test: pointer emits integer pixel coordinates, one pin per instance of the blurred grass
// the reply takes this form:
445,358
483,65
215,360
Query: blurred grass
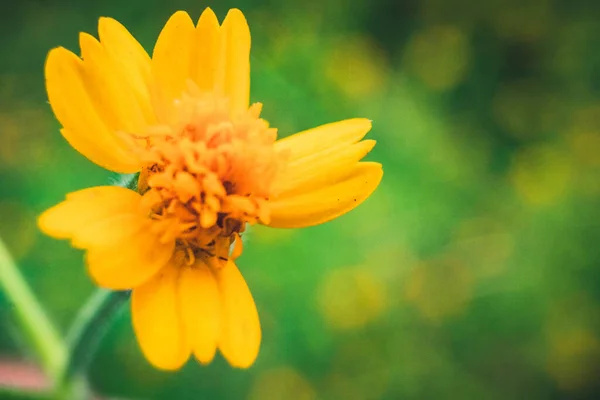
471,273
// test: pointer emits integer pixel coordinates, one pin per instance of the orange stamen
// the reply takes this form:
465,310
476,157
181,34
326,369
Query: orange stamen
208,175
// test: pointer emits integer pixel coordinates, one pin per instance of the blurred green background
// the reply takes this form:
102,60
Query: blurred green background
473,271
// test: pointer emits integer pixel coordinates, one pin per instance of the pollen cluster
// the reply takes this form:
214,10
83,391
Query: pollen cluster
208,174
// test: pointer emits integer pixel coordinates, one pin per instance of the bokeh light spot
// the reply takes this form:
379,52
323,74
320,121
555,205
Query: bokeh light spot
281,383
574,359
439,56
360,370
25,135
485,244
541,174
584,136
573,347
349,298
439,288
586,147
357,66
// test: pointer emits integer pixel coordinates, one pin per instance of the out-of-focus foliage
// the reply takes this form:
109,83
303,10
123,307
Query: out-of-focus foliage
473,272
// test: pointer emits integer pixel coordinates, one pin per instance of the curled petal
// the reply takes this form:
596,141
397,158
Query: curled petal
130,57
321,138
324,204
321,169
82,116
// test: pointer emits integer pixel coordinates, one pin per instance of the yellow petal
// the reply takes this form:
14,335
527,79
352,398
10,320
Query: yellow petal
88,207
157,321
320,169
84,128
234,65
241,334
109,221
206,57
109,88
321,138
171,63
327,203
113,230
131,59
128,262
95,152
200,310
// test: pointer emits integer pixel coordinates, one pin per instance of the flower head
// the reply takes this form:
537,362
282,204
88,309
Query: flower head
208,165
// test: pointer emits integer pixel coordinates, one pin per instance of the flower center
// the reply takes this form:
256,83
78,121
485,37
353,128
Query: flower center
208,175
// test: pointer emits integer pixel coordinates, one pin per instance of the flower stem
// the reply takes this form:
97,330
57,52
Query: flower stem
91,324
17,394
86,332
32,318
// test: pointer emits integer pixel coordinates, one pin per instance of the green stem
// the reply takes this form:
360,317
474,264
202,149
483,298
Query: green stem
17,394
90,326
86,332
34,321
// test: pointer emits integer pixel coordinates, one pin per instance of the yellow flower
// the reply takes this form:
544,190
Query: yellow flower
208,166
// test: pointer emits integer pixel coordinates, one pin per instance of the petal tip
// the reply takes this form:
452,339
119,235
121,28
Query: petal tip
208,20
167,366
365,123
105,23
105,20
369,144
375,167
57,55
236,12
87,44
208,13
180,15
43,223
235,15
49,222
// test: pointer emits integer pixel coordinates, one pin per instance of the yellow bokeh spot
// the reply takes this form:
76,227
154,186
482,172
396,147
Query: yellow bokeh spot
18,228
573,354
573,349
25,135
439,56
439,288
360,370
485,244
357,66
541,174
391,262
281,383
349,298
586,147
584,136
